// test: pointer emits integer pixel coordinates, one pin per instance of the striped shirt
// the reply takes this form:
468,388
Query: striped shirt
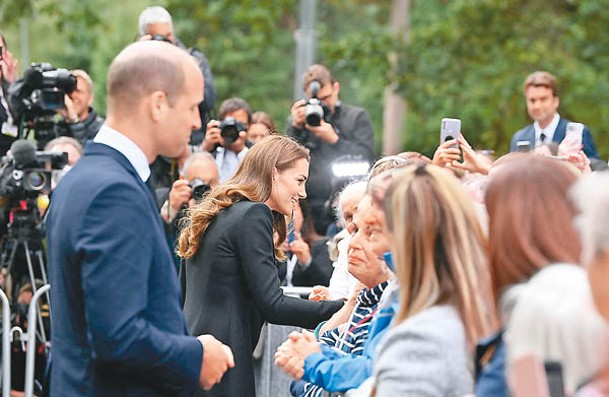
350,339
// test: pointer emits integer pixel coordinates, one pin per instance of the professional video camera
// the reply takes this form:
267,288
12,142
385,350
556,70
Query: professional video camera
314,110
38,96
199,189
230,129
23,176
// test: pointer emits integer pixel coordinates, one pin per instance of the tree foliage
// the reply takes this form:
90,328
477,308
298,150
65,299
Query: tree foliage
462,58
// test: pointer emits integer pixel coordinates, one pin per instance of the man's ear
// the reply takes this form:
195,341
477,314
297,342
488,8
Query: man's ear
157,105
336,87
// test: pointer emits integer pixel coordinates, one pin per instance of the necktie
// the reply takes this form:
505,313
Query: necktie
542,137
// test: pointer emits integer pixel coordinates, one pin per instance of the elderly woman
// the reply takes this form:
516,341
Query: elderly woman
348,330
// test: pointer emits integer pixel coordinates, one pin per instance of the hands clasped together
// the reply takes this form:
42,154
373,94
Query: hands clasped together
291,354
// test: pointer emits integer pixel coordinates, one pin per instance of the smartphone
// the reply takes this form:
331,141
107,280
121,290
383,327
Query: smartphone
527,377
450,129
1,49
523,146
555,379
574,133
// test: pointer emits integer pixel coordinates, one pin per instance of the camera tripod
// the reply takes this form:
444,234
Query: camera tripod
23,257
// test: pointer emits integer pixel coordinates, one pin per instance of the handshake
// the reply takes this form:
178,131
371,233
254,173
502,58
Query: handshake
217,359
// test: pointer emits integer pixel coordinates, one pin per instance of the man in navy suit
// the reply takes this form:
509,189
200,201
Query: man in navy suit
118,328
542,104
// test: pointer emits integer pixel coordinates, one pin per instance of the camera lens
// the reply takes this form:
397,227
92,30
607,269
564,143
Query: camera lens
36,181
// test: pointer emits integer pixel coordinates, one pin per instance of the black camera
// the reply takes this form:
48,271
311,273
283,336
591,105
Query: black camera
160,37
199,189
27,173
230,129
44,88
38,96
313,108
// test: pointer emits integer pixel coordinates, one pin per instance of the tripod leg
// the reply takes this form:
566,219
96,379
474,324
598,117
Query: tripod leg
30,267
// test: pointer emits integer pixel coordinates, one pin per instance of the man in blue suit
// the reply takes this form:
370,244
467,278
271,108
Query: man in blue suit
117,323
542,104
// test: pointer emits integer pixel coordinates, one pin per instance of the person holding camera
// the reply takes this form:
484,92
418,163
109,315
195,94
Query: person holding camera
82,121
330,129
8,119
155,23
226,139
200,175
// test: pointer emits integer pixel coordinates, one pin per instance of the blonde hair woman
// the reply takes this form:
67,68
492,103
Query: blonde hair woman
445,289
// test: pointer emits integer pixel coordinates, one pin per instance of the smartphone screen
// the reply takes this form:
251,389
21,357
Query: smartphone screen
574,132
450,129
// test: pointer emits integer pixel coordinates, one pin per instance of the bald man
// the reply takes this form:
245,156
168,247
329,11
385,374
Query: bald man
118,328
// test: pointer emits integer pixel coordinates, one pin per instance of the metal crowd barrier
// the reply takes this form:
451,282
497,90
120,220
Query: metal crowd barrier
270,380
29,337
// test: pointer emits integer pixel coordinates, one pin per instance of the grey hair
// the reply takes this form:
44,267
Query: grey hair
153,14
196,157
352,189
591,197
555,318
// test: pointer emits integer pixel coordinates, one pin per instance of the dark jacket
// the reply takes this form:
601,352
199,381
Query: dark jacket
319,270
118,328
231,288
528,134
86,129
356,137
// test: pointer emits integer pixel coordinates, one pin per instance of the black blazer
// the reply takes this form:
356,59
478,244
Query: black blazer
232,287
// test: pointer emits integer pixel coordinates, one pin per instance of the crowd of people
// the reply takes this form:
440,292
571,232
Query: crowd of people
171,233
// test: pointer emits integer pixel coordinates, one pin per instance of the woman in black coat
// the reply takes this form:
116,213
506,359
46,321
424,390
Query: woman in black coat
230,276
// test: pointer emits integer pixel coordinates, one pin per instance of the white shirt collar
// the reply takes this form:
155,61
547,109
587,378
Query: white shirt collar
548,131
116,140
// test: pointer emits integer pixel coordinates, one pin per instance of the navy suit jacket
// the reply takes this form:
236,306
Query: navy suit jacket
117,325
528,134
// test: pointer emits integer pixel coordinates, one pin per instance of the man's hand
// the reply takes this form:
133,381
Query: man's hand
325,132
213,136
179,194
217,359
298,113
8,66
68,112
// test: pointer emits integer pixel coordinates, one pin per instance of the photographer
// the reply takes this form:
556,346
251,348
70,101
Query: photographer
200,174
226,139
155,23
82,121
8,119
330,129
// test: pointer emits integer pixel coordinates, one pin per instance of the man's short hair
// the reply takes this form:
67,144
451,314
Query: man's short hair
85,76
134,77
154,14
319,73
541,79
232,105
